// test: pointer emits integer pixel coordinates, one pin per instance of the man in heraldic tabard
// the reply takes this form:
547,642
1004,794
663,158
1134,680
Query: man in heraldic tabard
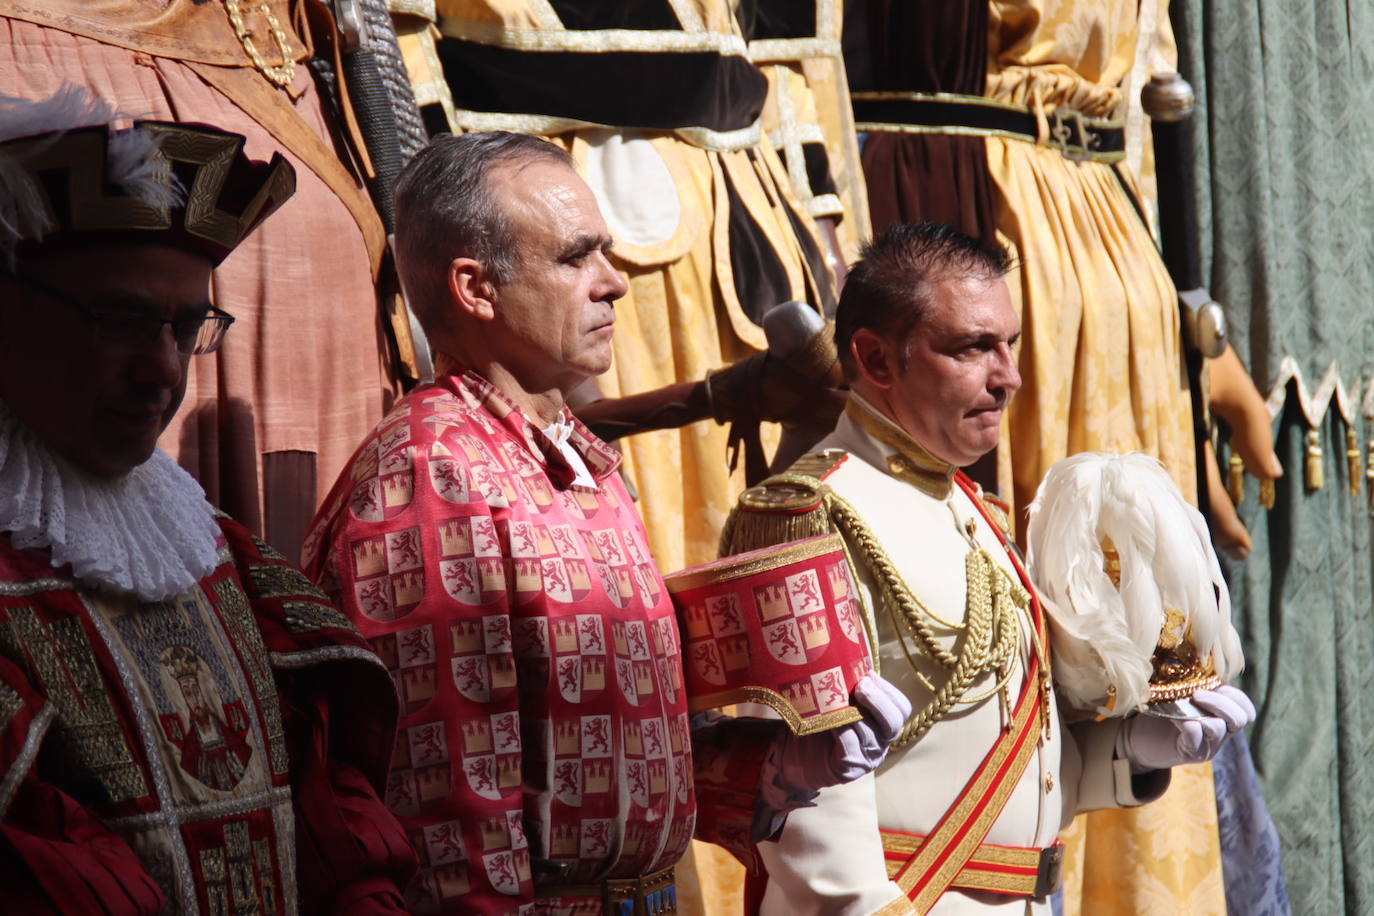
186,724
964,814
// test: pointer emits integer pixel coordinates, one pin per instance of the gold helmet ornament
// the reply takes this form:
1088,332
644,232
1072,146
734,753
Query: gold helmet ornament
1142,615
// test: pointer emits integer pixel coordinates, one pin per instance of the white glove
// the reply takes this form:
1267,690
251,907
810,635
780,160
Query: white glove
799,766
1154,743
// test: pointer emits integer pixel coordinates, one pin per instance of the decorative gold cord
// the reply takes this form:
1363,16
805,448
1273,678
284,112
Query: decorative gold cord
282,75
991,635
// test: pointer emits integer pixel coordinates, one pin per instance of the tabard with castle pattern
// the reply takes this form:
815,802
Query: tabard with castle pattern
544,736
170,756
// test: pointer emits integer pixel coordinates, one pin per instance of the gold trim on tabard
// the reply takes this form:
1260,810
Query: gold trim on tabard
769,697
688,16
551,125
60,657
593,40
11,705
772,50
544,14
425,9
825,43
883,127
823,205
19,767
749,564
790,136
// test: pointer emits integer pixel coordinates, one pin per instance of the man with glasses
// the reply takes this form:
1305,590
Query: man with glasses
170,688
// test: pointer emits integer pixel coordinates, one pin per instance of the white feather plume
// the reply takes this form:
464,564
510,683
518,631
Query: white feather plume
68,108
23,214
131,160
1104,636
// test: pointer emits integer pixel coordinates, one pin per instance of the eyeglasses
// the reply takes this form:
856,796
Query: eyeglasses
195,334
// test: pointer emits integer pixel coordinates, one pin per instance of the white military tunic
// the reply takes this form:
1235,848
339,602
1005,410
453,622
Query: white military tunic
829,858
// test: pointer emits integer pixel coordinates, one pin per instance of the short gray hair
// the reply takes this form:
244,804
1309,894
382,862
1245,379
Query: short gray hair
446,208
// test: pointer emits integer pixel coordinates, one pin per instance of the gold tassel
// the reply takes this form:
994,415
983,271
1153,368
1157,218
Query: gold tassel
1235,480
1352,460
1369,471
1266,495
1315,478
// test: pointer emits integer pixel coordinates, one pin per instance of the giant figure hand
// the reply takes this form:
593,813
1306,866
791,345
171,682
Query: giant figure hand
1154,743
1233,397
799,766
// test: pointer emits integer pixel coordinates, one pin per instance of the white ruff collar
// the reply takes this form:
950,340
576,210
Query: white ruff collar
150,532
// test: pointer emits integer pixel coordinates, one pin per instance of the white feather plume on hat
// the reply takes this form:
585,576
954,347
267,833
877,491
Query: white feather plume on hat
1104,636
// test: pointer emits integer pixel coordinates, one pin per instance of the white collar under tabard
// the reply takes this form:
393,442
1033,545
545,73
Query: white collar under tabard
150,533
560,434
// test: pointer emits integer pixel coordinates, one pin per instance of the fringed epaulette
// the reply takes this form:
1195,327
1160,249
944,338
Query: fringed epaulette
785,507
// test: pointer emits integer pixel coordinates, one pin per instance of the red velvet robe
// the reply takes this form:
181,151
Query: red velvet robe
109,797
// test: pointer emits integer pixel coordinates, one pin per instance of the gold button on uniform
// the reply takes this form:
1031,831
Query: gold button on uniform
1049,783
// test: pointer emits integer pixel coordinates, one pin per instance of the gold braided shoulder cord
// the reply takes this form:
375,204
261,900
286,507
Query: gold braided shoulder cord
991,634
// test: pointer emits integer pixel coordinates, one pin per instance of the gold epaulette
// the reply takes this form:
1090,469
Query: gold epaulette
785,507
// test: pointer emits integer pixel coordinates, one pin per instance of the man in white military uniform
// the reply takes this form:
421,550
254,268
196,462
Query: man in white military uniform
964,815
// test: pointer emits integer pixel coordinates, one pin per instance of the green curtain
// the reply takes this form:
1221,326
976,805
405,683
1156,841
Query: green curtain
1285,174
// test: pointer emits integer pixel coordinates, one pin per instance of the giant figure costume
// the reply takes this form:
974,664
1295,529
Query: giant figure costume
216,749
